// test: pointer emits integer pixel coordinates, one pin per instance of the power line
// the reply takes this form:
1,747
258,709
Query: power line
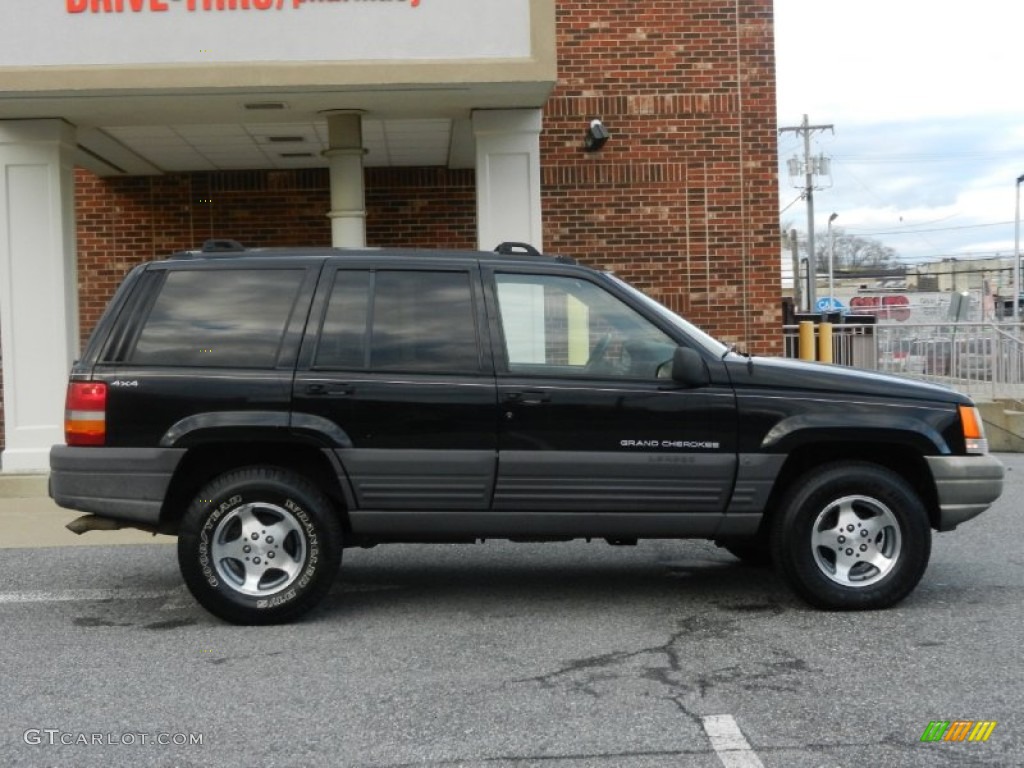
924,239
793,202
864,232
945,157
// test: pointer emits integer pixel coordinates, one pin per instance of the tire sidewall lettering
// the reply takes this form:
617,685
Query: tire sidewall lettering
312,544
312,555
206,534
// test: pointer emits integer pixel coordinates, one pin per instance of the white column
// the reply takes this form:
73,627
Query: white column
508,177
38,286
345,159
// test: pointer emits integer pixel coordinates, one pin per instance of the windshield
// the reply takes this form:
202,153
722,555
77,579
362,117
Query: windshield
709,343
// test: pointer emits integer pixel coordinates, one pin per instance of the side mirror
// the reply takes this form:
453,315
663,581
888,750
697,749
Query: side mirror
689,368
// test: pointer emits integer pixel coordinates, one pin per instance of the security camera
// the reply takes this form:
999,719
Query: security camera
596,137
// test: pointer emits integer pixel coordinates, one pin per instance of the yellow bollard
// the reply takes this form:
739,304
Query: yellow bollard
825,342
806,339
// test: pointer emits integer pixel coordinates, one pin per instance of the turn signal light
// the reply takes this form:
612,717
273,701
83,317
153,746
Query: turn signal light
974,429
85,413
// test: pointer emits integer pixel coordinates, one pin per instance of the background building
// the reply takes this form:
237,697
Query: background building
133,128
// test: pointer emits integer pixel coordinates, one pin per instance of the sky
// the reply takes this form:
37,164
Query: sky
928,117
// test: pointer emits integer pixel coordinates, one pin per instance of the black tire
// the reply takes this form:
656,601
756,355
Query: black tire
851,536
259,545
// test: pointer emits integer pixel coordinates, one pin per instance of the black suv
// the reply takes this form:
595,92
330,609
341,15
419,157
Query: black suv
271,407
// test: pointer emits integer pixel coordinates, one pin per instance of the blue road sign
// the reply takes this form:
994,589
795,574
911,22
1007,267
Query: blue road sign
828,304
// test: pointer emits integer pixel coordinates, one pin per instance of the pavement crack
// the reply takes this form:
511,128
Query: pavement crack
692,716
666,665
590,666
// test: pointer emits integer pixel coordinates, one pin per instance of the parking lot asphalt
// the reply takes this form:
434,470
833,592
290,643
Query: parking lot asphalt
506,656
30,518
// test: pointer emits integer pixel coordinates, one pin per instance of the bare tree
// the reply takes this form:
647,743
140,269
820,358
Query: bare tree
853,253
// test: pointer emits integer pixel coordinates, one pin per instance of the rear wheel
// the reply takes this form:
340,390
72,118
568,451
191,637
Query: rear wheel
852,536
259,545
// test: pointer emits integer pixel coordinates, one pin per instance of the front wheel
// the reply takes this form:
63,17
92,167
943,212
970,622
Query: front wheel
259,545
852,536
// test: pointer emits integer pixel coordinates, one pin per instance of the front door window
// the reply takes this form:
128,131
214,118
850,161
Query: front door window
563,326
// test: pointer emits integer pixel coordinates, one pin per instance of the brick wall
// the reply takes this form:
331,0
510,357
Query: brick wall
125,221
682,199
421,208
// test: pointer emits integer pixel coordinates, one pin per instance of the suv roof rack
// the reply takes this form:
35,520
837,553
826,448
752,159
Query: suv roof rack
510,247
219,245
513,248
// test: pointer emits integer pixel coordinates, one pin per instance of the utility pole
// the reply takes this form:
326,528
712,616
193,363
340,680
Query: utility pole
1016,260
811,167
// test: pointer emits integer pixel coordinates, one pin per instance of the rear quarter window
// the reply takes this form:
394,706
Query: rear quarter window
218,318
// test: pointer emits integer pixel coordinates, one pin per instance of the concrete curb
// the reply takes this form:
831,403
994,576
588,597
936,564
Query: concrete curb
24,486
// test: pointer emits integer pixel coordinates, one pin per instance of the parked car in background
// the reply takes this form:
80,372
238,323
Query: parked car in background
976,358
930,357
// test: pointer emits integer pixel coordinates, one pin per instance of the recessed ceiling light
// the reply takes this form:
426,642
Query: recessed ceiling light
295,154
285,139
262,105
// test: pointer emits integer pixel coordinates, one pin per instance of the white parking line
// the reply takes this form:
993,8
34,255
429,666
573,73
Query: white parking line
73,595
175,599
729,743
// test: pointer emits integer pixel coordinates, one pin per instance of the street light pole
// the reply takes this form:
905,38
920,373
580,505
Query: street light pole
831,264
1016,255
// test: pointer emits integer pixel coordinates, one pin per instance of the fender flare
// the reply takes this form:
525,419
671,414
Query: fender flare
894,429
255,424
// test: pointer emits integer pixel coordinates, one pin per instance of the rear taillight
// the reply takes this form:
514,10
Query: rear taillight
85,413
974,429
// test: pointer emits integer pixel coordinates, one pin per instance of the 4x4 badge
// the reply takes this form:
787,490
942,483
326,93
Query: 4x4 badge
123,383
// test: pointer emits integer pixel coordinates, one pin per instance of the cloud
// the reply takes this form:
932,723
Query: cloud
928,137
869,61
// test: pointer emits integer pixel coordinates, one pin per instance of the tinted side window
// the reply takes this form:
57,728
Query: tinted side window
344,335
226,317
417,321
562,326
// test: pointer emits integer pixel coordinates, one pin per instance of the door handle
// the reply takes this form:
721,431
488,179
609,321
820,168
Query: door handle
327,390
529,397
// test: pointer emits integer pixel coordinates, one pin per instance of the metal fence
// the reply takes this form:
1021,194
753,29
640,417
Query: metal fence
980,359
